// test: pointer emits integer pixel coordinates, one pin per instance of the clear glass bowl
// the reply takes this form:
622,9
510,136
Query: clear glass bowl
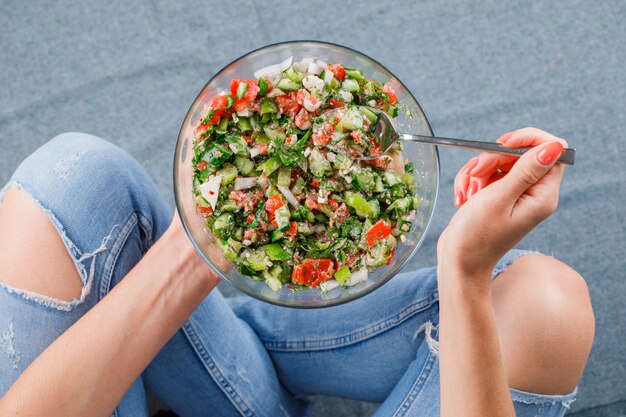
425,157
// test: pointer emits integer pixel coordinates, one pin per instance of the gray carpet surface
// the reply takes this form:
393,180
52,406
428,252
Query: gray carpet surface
128,71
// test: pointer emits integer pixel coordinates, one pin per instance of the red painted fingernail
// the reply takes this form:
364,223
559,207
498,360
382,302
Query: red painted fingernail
458,198
473,187
550,153
471,164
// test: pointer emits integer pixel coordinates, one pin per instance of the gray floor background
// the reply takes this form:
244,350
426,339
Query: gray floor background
127,71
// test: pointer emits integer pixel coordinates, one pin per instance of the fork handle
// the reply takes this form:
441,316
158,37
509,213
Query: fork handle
567,157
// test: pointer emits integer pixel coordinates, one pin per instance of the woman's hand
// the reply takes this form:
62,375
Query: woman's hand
501,199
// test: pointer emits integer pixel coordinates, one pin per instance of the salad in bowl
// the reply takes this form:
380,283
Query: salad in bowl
278,178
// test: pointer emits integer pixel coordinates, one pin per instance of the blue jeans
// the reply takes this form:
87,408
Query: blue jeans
235,357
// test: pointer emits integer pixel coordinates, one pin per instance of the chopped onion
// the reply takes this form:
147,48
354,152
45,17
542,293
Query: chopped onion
314,69
247,242
357,277
395,231
245,183
346,95
286,63
328,77
254,152
318,228
371,103
263,182
243,113
329,285
312,81
335,136
306,152
331,157
303,65
276,92
311,106
211,189
233,147
289,196
321,63
272,70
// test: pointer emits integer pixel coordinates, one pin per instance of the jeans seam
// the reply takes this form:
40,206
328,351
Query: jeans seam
417,385
114,253
355,337
216,374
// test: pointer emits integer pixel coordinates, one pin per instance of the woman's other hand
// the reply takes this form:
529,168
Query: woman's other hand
501,199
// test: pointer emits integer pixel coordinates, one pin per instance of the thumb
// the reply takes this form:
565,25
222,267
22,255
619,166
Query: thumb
529,169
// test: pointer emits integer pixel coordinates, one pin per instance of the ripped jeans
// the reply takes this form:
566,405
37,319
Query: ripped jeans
233,357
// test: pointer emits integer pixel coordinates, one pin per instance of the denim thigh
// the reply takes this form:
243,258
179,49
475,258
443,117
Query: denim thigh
380,348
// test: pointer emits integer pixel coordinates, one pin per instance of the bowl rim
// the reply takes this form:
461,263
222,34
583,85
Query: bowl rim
250,292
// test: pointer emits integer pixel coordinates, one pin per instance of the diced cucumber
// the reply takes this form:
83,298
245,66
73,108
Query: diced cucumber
289,85
239,147
284,176
276,235
222,126
391,178
282,218
229,205
366,180
352,120
271,191
318,163
275,252
228,173
342,162
354,73
298,186
229,101
294,75
350,85
224,221
217,155
342,274
273,282
274,134
244,124
270,165
244,165
268,106
241,89
363,207
392,111
258,260
402,205
371,116
379,187
304,228
229,252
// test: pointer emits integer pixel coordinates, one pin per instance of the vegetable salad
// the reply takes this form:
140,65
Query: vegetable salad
277,178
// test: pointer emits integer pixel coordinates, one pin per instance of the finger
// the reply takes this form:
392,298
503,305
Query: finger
529,169
488,163
530,136
461,181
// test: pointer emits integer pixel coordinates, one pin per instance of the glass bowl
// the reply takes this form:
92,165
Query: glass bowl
425,158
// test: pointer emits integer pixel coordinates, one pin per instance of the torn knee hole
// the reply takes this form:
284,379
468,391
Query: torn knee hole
428,328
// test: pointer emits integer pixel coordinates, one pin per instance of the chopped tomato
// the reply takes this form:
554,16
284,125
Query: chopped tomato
323,136
273,203
247,98
250,233
219,105
250,218
313,271
336,103
205,209
333,204
270,86
337,70
293,228
353,258
315,183
342,213
303,120
356,135
375,147
288,104
248,139
262,147
377,232
377,162
311,202
201,166
393,98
